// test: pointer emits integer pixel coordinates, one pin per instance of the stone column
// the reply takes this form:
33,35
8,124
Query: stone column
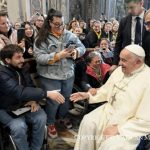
111,9
147,4
120,9
13,12
62,5
96,9
3,5
28,9
65,10
20,11
52,4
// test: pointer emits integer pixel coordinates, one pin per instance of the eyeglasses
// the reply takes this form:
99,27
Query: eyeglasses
57,25
97,62
147,23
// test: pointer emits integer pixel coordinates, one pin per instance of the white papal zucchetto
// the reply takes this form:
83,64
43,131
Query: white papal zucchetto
136,49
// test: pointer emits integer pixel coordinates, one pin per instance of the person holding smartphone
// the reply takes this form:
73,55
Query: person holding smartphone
55,50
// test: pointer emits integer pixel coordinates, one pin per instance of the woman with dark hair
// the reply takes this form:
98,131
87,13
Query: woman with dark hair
55,50
26,40
73,24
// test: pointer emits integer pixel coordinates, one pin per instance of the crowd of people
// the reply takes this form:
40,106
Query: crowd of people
45,58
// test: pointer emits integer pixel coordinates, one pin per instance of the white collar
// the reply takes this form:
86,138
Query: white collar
141,15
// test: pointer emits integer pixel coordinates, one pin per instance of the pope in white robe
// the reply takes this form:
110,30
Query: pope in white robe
125,118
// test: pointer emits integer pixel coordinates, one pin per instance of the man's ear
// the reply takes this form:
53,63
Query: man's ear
7,60
139,61
142,3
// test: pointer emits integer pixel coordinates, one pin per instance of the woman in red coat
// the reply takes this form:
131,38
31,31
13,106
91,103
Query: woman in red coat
97,71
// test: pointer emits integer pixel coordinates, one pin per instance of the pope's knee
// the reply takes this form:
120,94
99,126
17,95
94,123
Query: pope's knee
88,122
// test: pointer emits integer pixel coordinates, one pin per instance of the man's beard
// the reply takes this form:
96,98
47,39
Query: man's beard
16,67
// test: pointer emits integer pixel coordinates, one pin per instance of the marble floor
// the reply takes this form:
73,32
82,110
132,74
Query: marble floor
65,141
66,137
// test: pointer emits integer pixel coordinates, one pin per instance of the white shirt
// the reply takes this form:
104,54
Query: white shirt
133,26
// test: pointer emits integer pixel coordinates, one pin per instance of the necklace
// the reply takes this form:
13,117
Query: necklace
124,82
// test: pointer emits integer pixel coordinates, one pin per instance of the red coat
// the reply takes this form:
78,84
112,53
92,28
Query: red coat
103,67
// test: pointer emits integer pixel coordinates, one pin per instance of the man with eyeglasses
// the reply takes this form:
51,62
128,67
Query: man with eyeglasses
131,29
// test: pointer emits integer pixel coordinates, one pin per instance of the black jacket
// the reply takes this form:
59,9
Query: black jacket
146,46
80,75
16,88
108,36
124,36
91,40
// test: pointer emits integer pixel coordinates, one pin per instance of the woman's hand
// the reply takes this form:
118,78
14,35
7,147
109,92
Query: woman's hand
74,54
79,96
22,44
66,53
30,51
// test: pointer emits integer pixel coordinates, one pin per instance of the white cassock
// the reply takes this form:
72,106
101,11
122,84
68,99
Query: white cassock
128,106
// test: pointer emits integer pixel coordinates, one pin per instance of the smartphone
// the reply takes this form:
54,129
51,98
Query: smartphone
71,46
20,34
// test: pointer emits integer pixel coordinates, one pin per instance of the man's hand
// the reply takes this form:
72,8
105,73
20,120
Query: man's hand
111,131
93,91
112,68
34,106
79,96
56,96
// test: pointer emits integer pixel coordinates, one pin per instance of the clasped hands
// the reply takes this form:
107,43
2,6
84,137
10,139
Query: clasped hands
111,130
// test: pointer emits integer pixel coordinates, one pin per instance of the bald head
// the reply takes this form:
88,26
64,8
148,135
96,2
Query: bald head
130,61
